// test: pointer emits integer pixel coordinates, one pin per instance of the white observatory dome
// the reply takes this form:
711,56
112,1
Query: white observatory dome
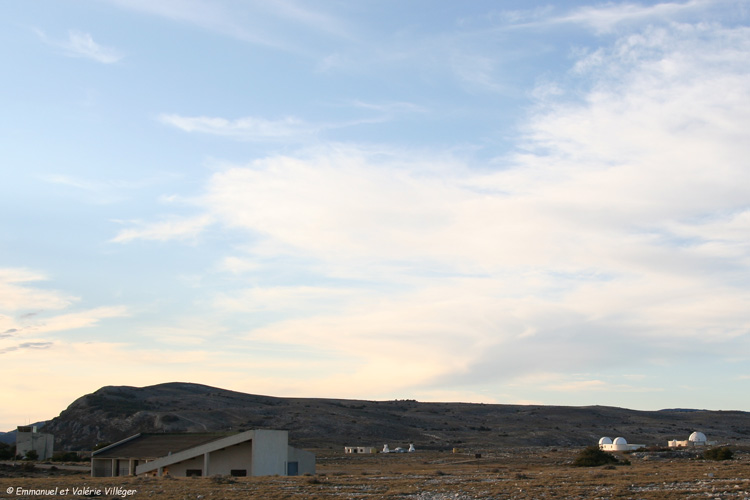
697,437
619,440
605,440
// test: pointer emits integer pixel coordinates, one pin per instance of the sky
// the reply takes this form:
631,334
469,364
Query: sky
517,202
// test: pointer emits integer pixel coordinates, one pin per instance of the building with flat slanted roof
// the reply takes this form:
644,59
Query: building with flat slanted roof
251,453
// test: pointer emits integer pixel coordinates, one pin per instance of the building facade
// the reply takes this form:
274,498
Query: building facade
695,439
618,444
250,453
353,450
29,439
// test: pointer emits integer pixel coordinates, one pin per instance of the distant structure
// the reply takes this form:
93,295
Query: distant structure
353,450
28,439
695,439
249,453
398,449
619,444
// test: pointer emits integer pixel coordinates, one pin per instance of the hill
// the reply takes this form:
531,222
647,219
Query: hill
113,413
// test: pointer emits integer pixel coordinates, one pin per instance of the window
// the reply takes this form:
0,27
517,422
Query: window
193,472
238,472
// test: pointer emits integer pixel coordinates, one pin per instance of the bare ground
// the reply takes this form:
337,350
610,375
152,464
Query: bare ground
527,473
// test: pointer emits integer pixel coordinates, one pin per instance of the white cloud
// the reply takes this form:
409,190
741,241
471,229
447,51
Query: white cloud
612,17
81,319
183,228
248,128
80,44
31,331
621,227
17,295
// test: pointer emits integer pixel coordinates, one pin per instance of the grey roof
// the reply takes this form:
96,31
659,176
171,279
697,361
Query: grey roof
152,446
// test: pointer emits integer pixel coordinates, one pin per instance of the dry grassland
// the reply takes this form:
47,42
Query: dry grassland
510,474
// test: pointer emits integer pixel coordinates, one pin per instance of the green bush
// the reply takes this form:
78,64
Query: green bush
721,453
31,455
592,456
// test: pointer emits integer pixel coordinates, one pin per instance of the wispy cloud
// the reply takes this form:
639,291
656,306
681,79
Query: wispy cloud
80,44
181,228
288,129
284,25
26,345
80,319
16,294
607,17
248,128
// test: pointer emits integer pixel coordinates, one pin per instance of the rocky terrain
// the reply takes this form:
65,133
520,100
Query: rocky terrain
511,473
113,413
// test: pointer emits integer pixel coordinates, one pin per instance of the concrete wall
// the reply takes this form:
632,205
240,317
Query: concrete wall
31,440
269,452
305,460
223,462
180,469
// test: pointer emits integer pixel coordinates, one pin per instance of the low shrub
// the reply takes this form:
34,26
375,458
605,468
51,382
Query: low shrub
592,456
721,453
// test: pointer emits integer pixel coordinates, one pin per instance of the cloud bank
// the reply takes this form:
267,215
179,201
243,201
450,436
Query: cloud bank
620,223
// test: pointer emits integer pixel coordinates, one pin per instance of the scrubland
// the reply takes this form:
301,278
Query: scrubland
528,473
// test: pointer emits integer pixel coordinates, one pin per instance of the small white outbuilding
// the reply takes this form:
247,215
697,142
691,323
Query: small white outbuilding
354,450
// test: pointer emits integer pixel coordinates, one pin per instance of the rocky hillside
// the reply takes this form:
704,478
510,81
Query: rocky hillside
113,413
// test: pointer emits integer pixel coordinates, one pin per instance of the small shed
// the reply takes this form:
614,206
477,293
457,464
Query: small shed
354,450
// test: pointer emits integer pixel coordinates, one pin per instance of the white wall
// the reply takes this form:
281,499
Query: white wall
42,443
269,452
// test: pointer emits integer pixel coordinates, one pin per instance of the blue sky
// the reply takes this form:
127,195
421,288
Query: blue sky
510,202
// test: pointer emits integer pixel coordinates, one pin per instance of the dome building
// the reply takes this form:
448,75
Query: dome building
619,444
696,439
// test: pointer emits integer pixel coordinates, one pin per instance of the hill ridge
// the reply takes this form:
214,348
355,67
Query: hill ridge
112,413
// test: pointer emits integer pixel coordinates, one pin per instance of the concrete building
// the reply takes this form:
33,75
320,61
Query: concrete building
28,439
618,444
249,453
353,450
695,439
